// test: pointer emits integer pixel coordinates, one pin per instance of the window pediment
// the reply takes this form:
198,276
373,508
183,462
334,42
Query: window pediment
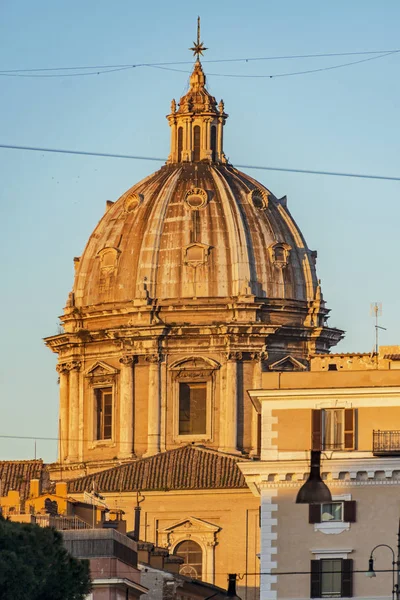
191,524
288,363
101,369
195,363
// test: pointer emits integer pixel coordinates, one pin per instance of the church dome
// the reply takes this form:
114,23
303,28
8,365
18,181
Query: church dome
199,241
196,230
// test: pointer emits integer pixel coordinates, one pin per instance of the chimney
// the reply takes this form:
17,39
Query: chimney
61,489
231,593
34,488
172,563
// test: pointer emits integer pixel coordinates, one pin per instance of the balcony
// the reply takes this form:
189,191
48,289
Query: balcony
386,443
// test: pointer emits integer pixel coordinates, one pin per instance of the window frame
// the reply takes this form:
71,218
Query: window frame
192,377
200,550
203,385
94,392
349,516
318,416
346,577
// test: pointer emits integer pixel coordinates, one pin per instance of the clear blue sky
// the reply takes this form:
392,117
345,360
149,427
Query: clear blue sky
341,120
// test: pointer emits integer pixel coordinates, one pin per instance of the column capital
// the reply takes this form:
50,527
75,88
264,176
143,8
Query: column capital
128,360
235,355
62,368
153,358
260,356
73,365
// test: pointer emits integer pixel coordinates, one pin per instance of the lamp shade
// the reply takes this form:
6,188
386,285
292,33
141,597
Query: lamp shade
371,572
314,490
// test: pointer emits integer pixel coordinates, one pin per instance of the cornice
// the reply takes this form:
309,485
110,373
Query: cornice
343,472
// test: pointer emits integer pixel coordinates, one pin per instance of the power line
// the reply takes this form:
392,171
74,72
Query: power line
306,72
101,69
216,60
68,439
152,158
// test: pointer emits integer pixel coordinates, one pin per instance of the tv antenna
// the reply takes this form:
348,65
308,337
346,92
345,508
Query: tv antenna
376,311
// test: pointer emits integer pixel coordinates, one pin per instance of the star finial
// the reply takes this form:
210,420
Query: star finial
198,47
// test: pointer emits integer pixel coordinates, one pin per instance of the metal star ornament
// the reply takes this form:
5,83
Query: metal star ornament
198,47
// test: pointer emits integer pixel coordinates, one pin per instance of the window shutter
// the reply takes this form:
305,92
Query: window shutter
314,513
315,583
347,577
349,511
316,429
349,429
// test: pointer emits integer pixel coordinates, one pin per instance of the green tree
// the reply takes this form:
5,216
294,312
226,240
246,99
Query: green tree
34,565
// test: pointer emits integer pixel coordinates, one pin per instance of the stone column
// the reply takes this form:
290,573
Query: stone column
255,417
229,419
154,406
73,432
186,146
219,138
63,414
126,407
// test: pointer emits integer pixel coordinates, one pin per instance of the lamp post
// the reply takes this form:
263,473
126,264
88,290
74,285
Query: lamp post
395,566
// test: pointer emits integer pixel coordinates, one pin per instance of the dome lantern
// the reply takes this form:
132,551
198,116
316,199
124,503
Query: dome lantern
197,125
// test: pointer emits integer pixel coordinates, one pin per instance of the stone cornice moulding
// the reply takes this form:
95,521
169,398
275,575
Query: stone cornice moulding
292,474
301,398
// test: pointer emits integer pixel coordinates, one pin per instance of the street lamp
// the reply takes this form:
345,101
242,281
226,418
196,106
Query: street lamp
395,566
314,490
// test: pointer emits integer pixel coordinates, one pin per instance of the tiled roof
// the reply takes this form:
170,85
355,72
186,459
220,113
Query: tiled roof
187,468
392,356
16,475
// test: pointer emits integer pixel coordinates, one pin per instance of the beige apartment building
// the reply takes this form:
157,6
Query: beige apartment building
348,406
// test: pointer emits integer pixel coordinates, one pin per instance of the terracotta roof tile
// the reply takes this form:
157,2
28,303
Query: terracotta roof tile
16,475
186,468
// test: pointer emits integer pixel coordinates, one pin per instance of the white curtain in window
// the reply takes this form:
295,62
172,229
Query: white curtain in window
333,429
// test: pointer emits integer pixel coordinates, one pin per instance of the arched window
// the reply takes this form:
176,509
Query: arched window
193,559
180,143
213,142
196,143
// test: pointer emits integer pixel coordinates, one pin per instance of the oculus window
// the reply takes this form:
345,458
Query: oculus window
192,408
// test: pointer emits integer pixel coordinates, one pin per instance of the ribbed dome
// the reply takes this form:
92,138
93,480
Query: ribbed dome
195,231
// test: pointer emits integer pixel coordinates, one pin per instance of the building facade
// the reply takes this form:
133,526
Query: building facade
348,407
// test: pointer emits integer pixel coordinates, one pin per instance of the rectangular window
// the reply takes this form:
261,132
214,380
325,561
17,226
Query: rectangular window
337,511
103,407
193,408
332,578
332,511
333,429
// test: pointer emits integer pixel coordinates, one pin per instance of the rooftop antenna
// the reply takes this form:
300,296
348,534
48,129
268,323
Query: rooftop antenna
376,311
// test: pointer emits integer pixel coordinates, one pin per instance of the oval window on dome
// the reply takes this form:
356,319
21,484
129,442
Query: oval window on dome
259,198
132,202
196,198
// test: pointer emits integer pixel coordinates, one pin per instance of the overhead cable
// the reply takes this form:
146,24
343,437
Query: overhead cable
100,69
156,159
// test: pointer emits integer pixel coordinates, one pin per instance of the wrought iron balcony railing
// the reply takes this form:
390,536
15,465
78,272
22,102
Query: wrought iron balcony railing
386,443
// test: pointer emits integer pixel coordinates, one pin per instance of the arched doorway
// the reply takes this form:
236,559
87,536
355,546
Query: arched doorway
193,559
